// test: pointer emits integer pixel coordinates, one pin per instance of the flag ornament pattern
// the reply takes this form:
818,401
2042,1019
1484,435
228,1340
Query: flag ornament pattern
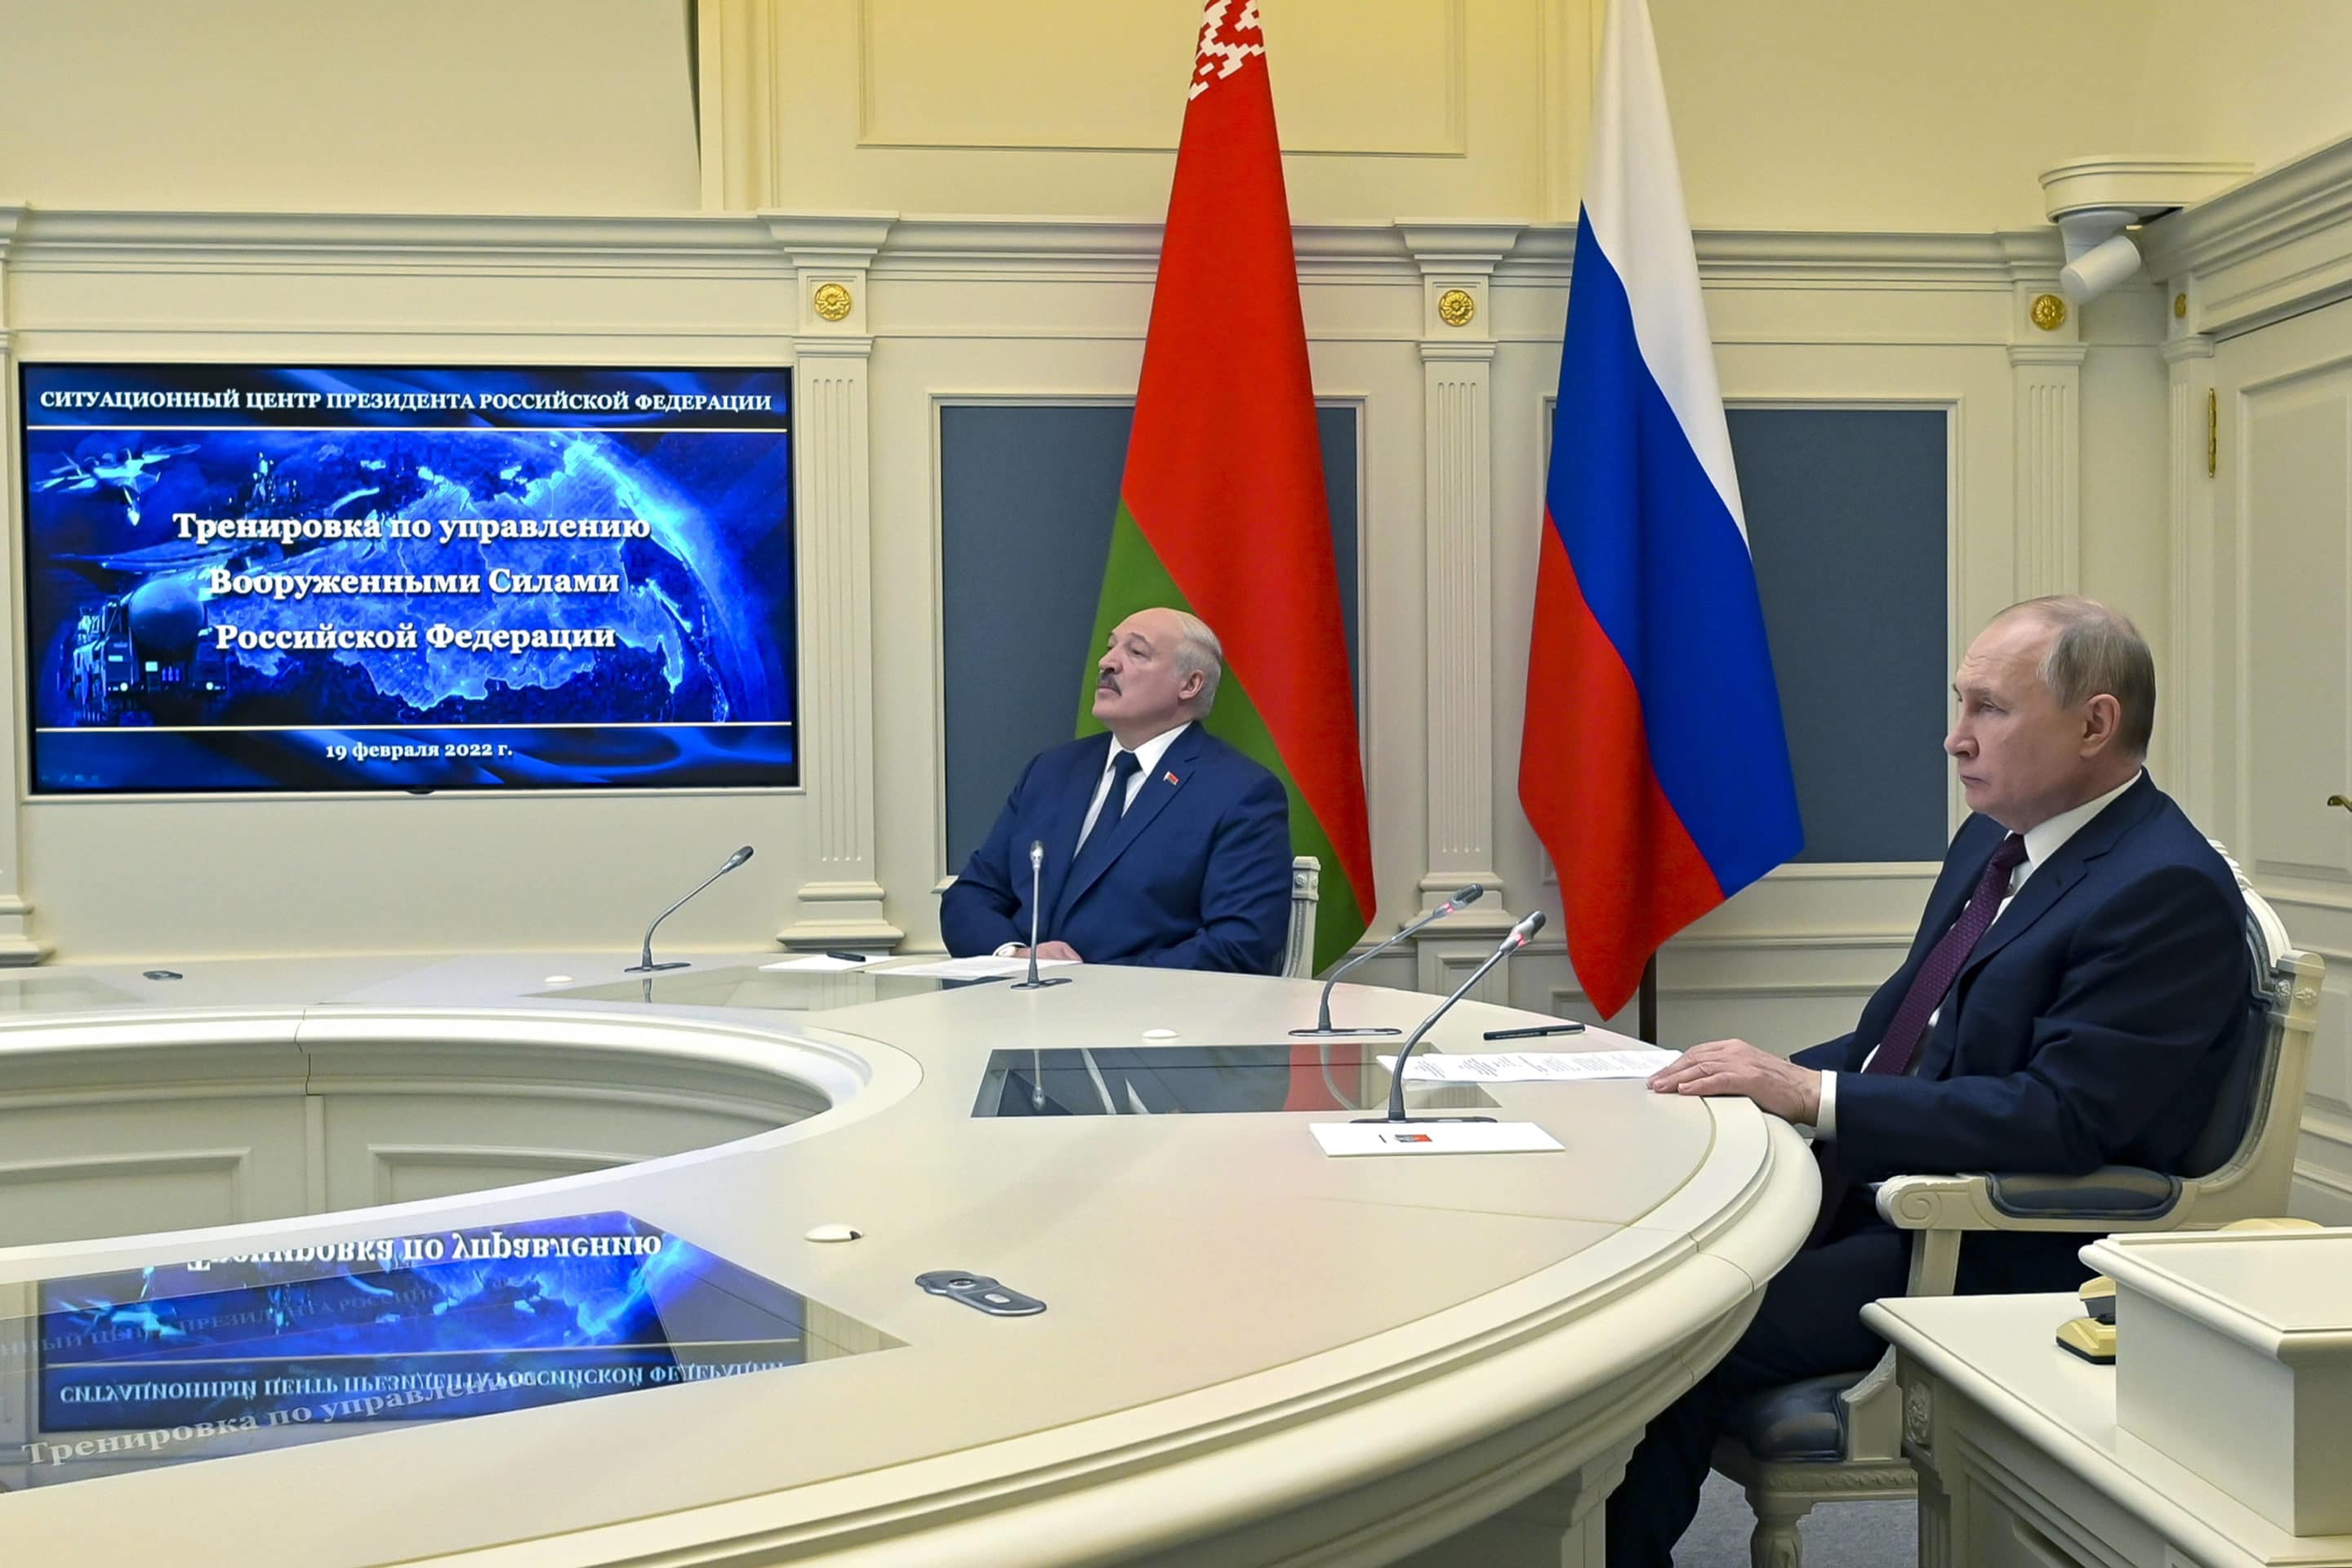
1222,509
1654,765
1226,45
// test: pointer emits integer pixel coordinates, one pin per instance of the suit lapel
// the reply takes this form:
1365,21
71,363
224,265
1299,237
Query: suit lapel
2050,883
1150,802
2039,896
1061,829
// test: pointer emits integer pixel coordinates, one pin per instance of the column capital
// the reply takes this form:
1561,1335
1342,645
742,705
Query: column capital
1469,351
2066,356
831,255
2187,347
829,239
1457,263
12,213
835,345
1458,249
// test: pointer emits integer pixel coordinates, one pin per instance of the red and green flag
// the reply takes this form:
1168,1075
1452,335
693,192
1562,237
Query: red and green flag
1222,509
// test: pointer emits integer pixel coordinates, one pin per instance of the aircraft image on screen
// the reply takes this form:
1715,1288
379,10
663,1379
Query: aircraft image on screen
127,473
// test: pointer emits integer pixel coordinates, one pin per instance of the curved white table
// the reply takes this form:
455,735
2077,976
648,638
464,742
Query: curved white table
1252,1353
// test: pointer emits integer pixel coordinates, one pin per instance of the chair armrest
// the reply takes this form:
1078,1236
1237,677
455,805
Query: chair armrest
2115,1197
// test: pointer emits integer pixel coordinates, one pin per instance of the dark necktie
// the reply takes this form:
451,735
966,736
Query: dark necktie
1097,846
1942,965
1944,961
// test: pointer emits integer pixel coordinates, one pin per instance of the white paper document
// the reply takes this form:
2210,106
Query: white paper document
1531,1066
1342,1138
987,966
813,963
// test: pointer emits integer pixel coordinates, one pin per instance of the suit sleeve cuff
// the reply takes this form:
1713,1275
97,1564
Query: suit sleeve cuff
1006,948
1825,1122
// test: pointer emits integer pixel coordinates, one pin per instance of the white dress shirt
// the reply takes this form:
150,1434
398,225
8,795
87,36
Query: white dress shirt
1147,757
2041,841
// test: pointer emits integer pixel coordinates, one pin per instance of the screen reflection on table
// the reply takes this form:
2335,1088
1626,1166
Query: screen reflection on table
1158,1081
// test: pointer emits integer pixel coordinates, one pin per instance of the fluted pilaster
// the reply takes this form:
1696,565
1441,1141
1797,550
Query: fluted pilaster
16,944
2184,712
841,903
2049,428
1457,357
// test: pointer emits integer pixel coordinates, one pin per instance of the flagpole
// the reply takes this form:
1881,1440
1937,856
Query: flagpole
1648,1014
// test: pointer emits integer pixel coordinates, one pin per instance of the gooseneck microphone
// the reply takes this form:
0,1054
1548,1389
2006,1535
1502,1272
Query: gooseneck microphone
1323,1029
1036,882
645,964
1517,939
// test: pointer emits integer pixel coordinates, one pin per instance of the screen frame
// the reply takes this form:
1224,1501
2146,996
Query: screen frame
20,544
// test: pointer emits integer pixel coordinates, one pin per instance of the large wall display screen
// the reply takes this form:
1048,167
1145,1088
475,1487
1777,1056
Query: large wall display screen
247,577
229,1355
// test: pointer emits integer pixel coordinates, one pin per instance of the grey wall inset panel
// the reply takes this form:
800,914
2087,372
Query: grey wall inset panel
1027,493
1846,518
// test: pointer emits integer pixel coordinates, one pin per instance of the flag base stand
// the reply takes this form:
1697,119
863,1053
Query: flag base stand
1340,1034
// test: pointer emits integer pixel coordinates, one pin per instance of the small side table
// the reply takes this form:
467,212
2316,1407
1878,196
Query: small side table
2021,1466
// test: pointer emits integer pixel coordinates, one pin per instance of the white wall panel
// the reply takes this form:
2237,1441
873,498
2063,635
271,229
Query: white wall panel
447,105
68,1171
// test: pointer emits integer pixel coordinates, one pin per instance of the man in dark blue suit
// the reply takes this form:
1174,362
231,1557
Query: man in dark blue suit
1164,846
2072,1000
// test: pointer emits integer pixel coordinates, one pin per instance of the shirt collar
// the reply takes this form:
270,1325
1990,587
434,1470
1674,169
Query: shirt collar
1147,755
2047,838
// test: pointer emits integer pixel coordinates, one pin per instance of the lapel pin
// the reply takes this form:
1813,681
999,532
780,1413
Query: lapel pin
1171,778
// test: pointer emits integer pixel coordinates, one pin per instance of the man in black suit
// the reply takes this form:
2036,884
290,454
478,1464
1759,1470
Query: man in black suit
2071,1000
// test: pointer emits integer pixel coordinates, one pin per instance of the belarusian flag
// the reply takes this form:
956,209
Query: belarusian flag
1221,510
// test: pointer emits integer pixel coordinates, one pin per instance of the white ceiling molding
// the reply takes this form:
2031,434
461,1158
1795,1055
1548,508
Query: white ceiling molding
917,247
2277,245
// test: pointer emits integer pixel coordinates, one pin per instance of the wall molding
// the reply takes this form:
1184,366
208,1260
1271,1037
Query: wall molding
2278,244
759,246
401,244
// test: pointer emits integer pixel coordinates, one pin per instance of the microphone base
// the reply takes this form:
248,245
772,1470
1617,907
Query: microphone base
1038,985
1340,1034
1403,1120
656,968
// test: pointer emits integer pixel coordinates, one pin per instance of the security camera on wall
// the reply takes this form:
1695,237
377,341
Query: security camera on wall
2097,201
2100,253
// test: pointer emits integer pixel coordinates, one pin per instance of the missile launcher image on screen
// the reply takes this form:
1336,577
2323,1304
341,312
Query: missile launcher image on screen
143,656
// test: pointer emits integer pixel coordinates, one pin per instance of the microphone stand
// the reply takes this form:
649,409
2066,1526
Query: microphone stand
645,964
1037,876
1323,1029
1519,936
1036,902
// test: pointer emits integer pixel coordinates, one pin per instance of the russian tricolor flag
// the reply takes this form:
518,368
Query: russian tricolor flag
1654,767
